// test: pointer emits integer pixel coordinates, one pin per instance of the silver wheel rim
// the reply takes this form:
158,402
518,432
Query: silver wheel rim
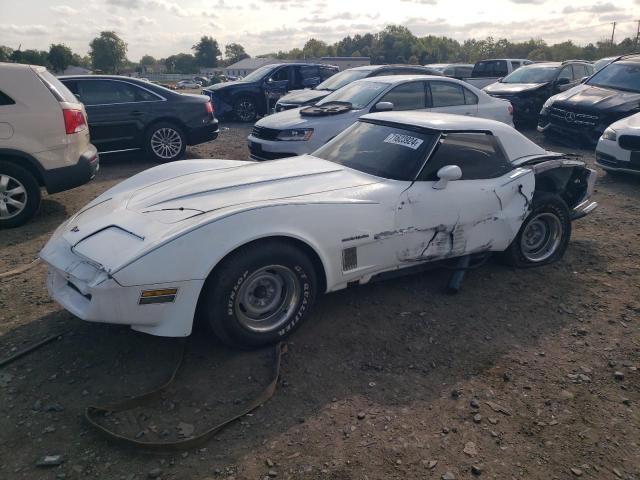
541,237
267,298
166,143
13,197
246,111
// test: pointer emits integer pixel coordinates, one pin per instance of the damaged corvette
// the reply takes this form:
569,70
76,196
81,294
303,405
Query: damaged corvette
247,247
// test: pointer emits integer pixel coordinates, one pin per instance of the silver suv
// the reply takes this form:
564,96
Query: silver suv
44,141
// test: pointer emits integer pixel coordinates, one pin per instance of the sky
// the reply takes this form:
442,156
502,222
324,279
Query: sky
165,27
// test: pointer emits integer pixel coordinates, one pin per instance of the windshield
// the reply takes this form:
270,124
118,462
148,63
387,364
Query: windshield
490,68
381,150
618,76
341,79
532,74
358,94
603,62
259,73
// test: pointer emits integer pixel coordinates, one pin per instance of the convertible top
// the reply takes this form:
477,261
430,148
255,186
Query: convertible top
514,143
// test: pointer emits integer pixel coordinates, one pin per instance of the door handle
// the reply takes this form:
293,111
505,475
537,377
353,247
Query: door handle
136,113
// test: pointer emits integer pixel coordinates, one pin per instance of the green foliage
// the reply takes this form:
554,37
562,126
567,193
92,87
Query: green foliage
5,53
60,57
181,63
31,57
234,52
207,52
108,52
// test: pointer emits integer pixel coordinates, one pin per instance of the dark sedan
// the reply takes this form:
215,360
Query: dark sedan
309,96
528,87
585,111
127,114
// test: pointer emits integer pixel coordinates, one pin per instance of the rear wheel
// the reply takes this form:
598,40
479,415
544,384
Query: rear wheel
259,294
19,195
544,236
165,142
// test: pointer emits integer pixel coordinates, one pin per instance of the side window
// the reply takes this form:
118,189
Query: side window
308,72
449,71
515,64
470,98
462,72
143,95
408,96
5,99
326,73
445,94
72,85
281,74
590,69
567,73
105,92
477,154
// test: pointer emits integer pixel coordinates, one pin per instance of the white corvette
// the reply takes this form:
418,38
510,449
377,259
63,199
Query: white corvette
250,245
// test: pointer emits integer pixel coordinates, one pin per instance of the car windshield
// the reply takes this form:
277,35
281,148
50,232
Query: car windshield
358,94
381,150
603,62
341,79
533,74
618,76
259,73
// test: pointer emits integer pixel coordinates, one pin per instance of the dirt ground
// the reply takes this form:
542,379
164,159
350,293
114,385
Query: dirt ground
526,374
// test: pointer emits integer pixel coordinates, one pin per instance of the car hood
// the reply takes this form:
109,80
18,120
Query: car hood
630,124
587,96
293,119
162,203
226,85
512,88
302,97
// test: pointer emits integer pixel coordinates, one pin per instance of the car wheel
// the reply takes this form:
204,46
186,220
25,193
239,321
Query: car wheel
165,142
544,236
259,295
245,109
19,195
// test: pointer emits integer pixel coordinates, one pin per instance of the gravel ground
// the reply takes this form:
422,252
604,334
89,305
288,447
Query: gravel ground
528,374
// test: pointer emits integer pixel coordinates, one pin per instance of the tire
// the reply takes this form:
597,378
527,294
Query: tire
245,109
236,301
165,142
20,195
544,235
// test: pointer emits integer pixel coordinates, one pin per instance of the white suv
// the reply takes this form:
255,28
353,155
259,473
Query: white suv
44,141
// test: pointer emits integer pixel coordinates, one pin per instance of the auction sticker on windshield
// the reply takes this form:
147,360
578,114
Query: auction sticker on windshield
404,140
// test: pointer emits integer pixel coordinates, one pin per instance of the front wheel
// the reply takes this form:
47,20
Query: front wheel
260,294
19,195
165,142
245,109
544,236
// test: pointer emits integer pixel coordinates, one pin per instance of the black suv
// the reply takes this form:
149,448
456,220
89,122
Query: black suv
127,114
251,96
585,111
528,87
300,98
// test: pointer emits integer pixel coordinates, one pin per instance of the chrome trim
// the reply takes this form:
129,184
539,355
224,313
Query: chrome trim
118,151
583,209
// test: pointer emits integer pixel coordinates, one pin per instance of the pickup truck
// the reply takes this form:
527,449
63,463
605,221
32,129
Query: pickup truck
486,72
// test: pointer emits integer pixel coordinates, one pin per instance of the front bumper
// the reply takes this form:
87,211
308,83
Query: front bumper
90,294
65,178
260,149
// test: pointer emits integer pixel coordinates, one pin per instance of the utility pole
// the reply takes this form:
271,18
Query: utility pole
613,32
637,36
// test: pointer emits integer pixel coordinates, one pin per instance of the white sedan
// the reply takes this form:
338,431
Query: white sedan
618,149
249,245
182,84
299,131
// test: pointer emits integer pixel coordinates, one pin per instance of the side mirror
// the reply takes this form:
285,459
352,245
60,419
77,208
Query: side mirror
447,174
269,80
383,107
584,79
563,81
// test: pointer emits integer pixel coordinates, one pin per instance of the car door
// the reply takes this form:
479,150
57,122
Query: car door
451,97
117,112
407,96
482,211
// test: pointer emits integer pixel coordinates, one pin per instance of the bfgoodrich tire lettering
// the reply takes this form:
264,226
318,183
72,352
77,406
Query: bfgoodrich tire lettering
19,195
544,235
259,294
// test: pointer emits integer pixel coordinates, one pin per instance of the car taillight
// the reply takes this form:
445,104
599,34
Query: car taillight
209,107
510,109
74,121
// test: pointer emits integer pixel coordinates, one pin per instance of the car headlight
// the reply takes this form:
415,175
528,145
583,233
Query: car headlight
610,134
547,104
295,135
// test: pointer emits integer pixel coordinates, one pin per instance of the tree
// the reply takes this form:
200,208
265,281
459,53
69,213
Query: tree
147,62
234,52
60,57
181,63
5,53
31,57
314,49
207,52
108,52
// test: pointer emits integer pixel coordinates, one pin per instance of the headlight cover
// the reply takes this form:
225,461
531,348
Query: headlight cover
295,135
547,104
610,134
